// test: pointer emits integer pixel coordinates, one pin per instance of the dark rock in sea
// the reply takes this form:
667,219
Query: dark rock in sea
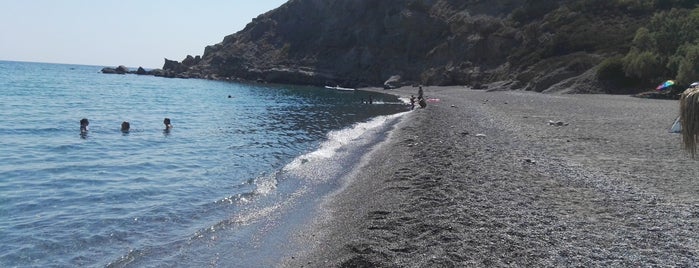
122,69
118,70
141,71
108,70
182,69
157,72
174,66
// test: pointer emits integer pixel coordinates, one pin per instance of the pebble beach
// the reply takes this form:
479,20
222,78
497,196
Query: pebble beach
511,178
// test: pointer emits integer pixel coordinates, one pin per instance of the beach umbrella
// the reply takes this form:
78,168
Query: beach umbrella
665,85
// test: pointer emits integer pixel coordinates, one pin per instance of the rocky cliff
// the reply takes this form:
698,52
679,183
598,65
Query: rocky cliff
537,45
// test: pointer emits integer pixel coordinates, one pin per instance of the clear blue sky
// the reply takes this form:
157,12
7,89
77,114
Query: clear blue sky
119,32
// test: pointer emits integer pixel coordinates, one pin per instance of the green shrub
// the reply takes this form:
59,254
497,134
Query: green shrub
688,69
610,69
642,40
643,65
611,72
533,9
660,49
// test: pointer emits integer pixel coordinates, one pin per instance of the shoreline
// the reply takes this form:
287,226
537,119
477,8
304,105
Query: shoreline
484,179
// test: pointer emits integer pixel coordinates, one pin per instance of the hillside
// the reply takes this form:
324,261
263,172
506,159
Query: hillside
536,45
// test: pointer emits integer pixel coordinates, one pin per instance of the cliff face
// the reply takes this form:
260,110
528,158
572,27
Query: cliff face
523,43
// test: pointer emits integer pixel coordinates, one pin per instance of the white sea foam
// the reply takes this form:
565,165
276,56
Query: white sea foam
337,141
253,214
402,101
266,184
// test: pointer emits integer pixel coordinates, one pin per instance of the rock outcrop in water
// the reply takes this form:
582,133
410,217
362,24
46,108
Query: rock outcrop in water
543,46
118,70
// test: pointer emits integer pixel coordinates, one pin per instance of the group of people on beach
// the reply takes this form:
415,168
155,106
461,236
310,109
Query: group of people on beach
420,99
125,126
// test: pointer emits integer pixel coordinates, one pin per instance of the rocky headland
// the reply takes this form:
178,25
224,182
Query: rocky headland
570,46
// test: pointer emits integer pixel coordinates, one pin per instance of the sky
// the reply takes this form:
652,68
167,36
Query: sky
123,32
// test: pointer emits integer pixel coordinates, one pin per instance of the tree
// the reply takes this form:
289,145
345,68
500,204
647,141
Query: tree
642,40
644,65
688,70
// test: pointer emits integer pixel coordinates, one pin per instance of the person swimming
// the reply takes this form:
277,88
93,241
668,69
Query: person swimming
83,125
167,123
125,126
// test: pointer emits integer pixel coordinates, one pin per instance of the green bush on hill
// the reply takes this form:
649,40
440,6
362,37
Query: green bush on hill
688,66
667,48
611,71
642,65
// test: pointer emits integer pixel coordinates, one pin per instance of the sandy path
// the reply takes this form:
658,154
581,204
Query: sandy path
481,179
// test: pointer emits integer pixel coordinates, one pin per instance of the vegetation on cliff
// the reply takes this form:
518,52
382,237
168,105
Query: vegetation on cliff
614,46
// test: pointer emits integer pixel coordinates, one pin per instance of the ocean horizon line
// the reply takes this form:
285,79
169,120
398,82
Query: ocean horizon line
77,64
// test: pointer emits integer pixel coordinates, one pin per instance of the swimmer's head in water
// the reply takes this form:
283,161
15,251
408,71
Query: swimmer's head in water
125,126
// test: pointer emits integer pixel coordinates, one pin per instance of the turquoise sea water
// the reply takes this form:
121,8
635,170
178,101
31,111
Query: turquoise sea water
223,188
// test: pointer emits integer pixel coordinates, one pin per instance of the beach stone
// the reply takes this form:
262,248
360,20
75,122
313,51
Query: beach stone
557,123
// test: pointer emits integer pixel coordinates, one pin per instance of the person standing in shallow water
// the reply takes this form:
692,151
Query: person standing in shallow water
167,123
412,102
419,93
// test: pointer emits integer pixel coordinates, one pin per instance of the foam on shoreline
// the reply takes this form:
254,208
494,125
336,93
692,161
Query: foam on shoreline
340,147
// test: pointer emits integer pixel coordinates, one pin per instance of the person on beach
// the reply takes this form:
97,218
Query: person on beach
168,126
419,93
422,103
412,102
83,125
125,126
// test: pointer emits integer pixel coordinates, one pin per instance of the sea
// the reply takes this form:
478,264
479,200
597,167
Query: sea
243,167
